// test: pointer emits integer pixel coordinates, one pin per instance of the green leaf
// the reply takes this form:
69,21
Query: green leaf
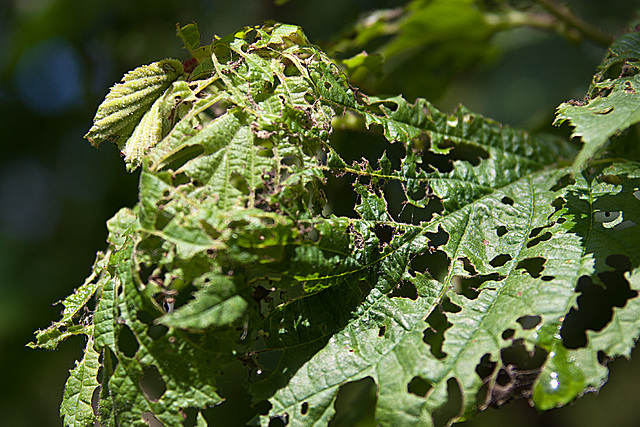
74,310
613,104
127,102
216,305
468,242
76,406
190,36
602,117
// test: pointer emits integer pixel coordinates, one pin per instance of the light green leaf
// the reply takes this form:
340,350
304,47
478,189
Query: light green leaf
602,117
128,101
613,102
76,406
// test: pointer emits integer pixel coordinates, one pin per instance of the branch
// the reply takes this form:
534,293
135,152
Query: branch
564,14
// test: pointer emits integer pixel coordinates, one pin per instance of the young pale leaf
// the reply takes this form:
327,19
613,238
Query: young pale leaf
128,101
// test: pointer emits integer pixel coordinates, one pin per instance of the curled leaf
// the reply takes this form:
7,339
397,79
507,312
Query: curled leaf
128,101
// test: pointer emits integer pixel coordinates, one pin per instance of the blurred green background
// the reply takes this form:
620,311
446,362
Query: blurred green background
57,61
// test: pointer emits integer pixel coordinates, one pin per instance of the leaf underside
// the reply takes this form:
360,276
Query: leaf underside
442,270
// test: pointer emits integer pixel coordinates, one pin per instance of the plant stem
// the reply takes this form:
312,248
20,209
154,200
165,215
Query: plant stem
564,14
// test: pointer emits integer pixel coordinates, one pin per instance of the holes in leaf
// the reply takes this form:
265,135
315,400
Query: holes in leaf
547,278
604,111
596,302
419,386
450,307
392,106
603,359
563,182
239,183
535,232
558,204
151,419
468,266
544,237
327,85
611,179
412,214
190,416
418,191
529,322
95,398
384,233
127,342
500,260
533,266
501,231
154,331
355,403
606,217
508,334
290,69
470,286
439,238
515,375
340,196
263,407
291,161
265,147
486,366
451,409
435,263
434,334
304,408
459,151
279,421
520,357
405,289
382,331
183,156
152,384
507,201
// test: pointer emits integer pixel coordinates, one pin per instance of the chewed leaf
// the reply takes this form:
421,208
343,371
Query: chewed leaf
613,102
76,405
129,100
604,116
465,242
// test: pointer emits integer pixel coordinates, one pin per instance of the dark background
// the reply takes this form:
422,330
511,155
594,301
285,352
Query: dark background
57,61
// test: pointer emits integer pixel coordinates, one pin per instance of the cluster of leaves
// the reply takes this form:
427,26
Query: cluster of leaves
230,253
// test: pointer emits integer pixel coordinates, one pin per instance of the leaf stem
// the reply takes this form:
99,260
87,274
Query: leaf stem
564,14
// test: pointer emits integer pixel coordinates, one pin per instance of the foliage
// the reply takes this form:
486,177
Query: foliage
472,257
